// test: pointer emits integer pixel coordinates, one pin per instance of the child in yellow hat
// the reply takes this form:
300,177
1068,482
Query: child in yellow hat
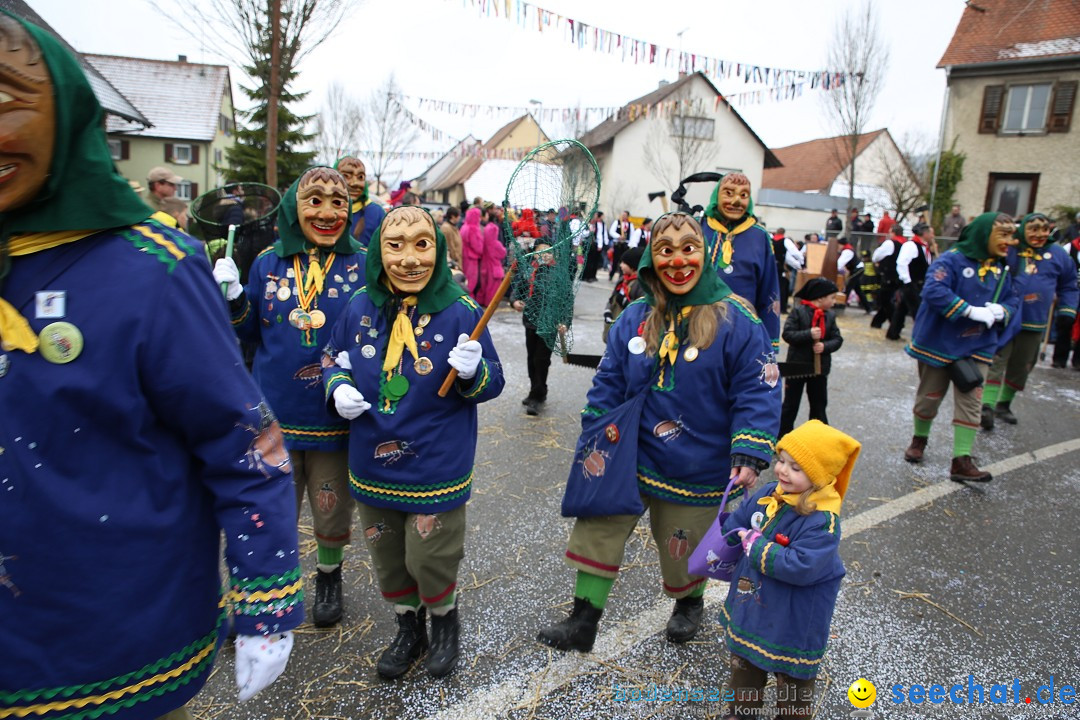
777,614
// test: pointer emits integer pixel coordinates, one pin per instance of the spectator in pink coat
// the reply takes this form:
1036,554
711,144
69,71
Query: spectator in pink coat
472,248
491,264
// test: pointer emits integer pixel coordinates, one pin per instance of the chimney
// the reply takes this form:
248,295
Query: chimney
682,74
664,83
182,58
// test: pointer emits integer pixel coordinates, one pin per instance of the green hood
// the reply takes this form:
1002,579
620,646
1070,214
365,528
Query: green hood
1021,231
83,191
441,290
975,236
709,289
713,208
291,238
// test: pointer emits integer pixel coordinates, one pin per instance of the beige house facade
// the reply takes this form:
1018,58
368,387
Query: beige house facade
1012,85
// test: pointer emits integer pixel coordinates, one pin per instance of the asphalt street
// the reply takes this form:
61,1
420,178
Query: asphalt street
944,581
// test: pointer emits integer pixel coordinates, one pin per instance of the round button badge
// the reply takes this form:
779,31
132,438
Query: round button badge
60,342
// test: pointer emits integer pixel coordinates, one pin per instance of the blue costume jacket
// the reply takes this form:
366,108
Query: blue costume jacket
697,414
781,600
287,360
1048,273
118,473
373,214
752,273
415,453
942,334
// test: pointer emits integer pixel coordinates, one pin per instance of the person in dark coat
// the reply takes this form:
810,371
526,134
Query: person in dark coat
810,330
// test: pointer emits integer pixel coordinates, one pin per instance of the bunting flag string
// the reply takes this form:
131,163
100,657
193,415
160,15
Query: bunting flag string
641,52
473,151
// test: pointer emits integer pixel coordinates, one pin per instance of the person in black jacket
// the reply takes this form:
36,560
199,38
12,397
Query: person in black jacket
810,330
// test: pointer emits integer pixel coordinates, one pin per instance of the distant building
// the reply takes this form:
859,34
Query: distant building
190,108
1012,71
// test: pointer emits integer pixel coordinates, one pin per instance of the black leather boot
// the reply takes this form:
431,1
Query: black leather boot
443,656
327,610
685,619
577,632
409,644
1003,411
986,418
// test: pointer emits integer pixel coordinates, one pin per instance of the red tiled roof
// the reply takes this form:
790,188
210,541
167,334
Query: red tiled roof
814,165
1004,30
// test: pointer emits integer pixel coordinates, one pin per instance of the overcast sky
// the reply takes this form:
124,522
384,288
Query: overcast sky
444,49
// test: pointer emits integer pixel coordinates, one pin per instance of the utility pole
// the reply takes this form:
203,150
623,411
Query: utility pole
272,101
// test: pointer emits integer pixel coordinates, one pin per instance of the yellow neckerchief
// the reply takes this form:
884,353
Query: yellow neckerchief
358,205
15,332
728,250
165,219
824,498
669,346
989,265
312,283
401,336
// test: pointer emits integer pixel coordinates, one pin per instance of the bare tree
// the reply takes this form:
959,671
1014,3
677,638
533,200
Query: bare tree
386,128
859,53
337,126
904,174
681,144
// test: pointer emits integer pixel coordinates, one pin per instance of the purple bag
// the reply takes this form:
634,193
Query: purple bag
713,557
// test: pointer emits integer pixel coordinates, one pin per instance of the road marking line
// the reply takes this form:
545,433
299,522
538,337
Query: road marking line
614,642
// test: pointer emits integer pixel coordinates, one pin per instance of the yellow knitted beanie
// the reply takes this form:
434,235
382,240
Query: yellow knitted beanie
824,453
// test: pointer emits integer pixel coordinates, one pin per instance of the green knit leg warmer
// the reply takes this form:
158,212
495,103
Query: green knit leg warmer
593,588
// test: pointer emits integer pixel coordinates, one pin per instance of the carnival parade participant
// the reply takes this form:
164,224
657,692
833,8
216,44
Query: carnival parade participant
1044,273
367,213
537,352
742,251
131,436
296,290
779,607
410,451
689,338
967,302
472,248
810,329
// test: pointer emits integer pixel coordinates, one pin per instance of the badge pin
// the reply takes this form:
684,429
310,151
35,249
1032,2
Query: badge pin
353,277
423,366
346,287
5,364
318,319
338,278
331,293
368,351
303,321
425,345
1046,256
418,331
294,317
969,272
729,269
61,342
636,345
284,293
424,320
373,333
691,354
365,321
438,338
50,304
396,387
289,273
284,282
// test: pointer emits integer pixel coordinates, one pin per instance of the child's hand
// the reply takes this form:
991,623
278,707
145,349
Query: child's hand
815,333
819,348
748,537
518,305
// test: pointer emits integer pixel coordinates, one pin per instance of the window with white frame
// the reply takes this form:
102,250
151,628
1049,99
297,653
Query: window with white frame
182,154
183,190
697,128
1025,109
116,149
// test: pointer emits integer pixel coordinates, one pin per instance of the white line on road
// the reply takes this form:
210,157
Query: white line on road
614,642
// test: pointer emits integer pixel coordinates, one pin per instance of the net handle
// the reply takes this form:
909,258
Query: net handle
228,254
482,324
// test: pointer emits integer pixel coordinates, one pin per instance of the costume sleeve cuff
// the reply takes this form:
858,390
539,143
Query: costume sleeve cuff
479,383
265,605
756,443
1066,312
239,309
740,460
955,309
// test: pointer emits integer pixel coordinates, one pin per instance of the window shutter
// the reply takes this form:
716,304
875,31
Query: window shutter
1061,107
168,152
194,154
194,190
125,150
993,100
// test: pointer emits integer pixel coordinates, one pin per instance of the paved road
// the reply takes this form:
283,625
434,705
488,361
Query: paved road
943,580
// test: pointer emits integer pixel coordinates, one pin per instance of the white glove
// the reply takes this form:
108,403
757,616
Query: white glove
465,357
342,360
981,314
350,403
225,271
259,661
998,310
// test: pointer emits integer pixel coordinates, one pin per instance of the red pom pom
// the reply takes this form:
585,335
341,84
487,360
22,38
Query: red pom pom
782,539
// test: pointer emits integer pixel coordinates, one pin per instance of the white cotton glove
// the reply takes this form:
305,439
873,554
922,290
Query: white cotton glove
998,310
981,314
342,360
349,402
465,357
259,661
225,271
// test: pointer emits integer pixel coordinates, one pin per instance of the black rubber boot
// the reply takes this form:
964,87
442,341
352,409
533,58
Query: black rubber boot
443,656
577,632
685,619
1003,411
409,644
986,420
327,610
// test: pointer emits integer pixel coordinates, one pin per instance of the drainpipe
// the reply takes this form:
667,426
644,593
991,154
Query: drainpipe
941,142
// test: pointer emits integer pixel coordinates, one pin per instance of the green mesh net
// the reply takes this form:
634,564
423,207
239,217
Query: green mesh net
545,249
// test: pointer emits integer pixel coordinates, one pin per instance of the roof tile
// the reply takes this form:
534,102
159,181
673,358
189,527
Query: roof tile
814,165
1006,30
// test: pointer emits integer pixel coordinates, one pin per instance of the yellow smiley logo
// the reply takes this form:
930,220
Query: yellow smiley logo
862,693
